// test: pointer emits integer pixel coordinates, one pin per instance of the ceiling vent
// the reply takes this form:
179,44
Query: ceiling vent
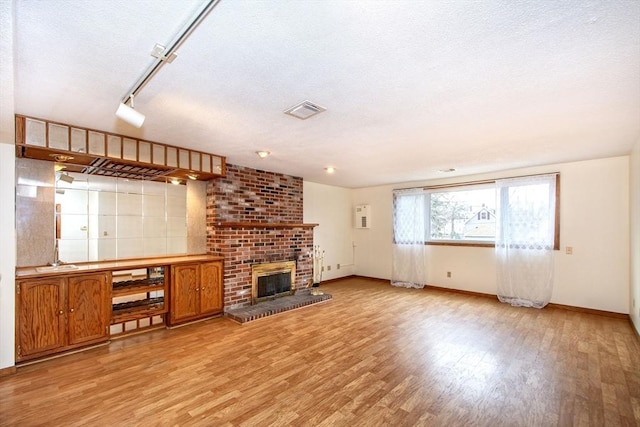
305,109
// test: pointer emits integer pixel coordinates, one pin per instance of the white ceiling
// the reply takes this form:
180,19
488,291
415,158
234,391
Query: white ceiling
410,87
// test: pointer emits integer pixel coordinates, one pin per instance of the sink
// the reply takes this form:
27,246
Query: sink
51,268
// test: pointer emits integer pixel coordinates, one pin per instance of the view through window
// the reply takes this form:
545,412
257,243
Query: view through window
465,213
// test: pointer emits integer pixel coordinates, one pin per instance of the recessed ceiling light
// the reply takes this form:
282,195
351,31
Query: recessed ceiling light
330,169
305,109
263,154
447,170
192,176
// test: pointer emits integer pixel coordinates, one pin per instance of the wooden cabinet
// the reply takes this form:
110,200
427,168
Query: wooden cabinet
57,311
196,291
56,314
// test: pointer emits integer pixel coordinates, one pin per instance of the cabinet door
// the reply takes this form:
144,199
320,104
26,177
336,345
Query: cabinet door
211,288
184,291
40,316
88,308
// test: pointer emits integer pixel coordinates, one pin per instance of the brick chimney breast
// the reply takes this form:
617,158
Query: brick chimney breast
255,217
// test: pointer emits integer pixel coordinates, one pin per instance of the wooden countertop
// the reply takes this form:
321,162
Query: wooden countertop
114,265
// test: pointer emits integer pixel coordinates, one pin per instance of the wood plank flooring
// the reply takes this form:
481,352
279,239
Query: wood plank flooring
373,356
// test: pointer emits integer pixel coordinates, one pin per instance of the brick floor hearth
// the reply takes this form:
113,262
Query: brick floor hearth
302,298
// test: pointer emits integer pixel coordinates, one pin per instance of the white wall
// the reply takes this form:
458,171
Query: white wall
7,189
634,214
331,208
594,220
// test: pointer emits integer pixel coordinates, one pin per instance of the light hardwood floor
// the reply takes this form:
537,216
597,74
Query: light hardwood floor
373,356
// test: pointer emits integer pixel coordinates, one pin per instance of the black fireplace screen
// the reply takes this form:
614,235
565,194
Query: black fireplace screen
274,284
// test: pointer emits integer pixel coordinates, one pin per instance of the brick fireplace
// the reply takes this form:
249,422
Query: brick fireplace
255,217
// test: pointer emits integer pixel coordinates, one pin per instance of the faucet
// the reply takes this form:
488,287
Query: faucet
56,256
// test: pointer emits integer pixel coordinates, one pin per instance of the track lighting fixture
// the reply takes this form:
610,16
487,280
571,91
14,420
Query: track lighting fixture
129,114
66,178
164,55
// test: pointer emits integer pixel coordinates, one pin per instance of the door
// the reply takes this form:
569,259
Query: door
185,291
88,308
211,288
40,316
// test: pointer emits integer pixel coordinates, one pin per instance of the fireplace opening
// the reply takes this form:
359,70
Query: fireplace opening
272,280
274,284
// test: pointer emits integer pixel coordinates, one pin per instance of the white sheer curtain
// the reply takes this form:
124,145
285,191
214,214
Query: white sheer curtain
410,218
525,234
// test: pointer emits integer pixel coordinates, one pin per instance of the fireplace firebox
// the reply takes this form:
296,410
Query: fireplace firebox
272,280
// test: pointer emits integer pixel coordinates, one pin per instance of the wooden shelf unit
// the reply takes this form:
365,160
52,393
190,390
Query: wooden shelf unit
134,310
138,299
132,287
104,153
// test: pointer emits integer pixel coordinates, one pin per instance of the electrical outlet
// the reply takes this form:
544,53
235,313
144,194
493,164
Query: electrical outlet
337,266
323,268
569,250
328,268
448,274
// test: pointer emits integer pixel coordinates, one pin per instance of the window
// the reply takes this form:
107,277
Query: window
462,214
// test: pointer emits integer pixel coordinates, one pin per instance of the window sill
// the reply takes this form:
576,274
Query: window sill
457,243
470,244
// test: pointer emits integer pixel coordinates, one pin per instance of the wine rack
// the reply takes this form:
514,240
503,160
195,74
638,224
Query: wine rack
138,300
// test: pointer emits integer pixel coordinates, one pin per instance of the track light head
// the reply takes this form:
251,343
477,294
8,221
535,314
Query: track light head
66,178
129,115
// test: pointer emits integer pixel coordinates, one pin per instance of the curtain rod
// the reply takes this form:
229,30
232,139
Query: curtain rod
478,182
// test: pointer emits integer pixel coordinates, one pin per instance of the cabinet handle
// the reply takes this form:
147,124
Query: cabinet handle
71,310
197,289
61,312
203,288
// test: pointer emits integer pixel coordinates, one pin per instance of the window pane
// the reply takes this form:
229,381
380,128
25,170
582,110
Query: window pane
530,218
463,215
408,218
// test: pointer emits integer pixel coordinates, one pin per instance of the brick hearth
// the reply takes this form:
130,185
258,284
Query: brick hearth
255,217
279,305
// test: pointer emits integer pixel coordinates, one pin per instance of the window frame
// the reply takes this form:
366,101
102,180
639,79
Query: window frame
471,243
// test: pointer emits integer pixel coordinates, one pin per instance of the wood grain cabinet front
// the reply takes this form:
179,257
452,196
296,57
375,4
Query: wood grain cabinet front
58,314
211,276
40,312
89,308
196,291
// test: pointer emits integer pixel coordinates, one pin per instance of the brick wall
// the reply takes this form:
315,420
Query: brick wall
267,200
250,195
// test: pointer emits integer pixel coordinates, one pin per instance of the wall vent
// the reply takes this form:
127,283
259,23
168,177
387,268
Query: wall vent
363,216
305,109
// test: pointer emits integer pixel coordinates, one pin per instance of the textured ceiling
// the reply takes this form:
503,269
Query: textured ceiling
410,87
